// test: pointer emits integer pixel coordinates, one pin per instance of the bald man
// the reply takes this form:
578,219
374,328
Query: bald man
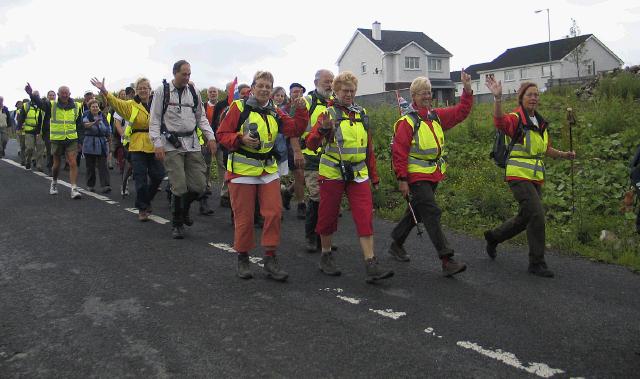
65,119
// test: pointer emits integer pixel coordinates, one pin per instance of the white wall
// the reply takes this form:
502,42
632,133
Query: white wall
406,75
446,70
363,50
534,74
604,61
391,68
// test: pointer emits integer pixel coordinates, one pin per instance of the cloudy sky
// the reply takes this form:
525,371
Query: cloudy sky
51,43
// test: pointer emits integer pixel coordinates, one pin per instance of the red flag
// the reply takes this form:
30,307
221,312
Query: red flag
232,89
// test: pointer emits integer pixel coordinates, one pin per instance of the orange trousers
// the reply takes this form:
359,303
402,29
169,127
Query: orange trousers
243,202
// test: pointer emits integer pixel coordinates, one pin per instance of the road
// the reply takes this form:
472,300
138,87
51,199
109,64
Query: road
88,291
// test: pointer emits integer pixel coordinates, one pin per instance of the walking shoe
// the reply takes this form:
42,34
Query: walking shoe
450,266
177,233
53,189
143,216
273,270
540,269
286,198
302,211
328,265
398,252
106,189
244,268
491,245
28,166
374,272
312,243
75,194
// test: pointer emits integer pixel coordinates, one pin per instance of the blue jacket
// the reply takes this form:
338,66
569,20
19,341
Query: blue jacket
95,138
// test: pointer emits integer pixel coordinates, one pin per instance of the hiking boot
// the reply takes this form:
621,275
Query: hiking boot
286,199
177,233
302,211
53,189
492,245
143,216
374,272
540,269
273,270
312,243
328,265
244,267
28,166
450,266
398,252
75,194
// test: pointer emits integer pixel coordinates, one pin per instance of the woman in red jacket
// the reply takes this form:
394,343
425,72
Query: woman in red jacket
346,164
418,150
249,131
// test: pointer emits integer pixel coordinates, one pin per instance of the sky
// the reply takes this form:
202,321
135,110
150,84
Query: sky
50,43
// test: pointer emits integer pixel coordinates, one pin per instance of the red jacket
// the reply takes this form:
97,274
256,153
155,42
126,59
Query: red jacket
508,123
449,117
229,136
314,140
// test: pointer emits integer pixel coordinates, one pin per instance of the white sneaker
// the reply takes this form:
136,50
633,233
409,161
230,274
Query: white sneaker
75,194
53,190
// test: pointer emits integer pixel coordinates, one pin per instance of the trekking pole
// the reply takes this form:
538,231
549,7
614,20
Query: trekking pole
413,214
571,120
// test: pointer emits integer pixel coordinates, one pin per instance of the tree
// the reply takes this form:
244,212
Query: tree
578,54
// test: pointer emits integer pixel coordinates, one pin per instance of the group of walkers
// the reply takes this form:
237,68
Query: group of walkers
323,138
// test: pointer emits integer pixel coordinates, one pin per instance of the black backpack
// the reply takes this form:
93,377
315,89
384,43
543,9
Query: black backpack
165,101
501,151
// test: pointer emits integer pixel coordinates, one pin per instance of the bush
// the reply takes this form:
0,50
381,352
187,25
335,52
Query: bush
624,85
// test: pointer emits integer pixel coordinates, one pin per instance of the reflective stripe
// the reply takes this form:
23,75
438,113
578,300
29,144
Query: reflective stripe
356,167
239,158
346,150
534,167
416,150
425,163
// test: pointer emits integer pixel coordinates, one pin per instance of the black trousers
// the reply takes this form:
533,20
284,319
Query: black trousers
148,173
530,217
423,201
101,162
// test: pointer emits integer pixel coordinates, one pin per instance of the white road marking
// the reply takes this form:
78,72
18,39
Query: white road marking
430,331
154,218
348,299
40,174
540,369
390,313
14,163
223,246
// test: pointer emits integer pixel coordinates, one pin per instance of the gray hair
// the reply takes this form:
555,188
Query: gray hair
320,72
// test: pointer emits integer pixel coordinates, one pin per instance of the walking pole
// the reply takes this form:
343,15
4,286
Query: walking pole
571,120
413,214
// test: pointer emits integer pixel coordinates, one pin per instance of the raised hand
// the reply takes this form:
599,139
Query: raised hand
28,89
495,86
466,80
300,103
99,85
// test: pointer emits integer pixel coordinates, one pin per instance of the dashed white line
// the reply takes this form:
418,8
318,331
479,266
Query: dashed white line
430,331
348,299
222,246
154,218
390,313
540,369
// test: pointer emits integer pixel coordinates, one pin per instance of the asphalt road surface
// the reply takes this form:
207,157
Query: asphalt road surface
88,291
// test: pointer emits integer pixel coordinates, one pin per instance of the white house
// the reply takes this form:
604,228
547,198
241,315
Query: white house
386,60
531,63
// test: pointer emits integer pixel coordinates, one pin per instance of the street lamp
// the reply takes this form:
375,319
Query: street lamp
549,28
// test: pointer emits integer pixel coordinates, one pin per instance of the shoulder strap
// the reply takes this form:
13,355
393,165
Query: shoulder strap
417,120
516,136
196,98
244,115
165,104
314,102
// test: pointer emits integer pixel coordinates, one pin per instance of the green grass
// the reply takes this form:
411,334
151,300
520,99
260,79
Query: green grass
475,197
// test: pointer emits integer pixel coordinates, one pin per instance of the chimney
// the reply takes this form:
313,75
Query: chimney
376,32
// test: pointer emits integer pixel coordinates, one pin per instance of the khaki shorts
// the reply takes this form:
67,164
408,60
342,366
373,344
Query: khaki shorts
311,182
65,147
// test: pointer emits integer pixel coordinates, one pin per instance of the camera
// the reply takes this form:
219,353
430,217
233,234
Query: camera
172,139
346,169
254,134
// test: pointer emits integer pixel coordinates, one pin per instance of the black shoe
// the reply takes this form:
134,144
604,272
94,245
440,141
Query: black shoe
312,243
374,272
177,233
540,269
28,166
398,252
225,202
244,267
204,207
302,211
273,270
492,245
286,199
106,189
450,267
328,265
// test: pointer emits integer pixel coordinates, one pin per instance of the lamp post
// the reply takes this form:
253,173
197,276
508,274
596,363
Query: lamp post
549,29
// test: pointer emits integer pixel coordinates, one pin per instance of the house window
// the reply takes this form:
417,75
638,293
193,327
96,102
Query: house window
435,64
590,68
523,73
363,67
509,76
411,63
546,70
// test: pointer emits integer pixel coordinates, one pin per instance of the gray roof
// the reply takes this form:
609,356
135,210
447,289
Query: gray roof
471,70
537,53
394,40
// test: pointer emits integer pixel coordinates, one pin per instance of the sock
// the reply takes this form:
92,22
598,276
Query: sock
270,253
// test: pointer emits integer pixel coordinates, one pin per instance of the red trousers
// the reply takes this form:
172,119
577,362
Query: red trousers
243,202
360,201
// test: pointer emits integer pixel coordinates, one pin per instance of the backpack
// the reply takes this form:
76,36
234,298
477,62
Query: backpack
501,151
165,102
